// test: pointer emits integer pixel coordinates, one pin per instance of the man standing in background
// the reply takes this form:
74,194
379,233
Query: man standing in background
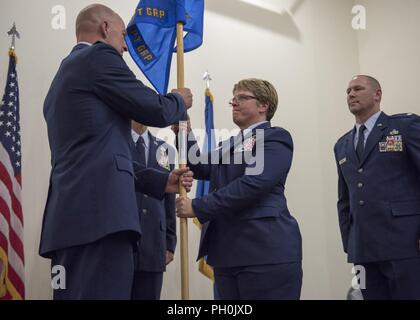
378,164
157,218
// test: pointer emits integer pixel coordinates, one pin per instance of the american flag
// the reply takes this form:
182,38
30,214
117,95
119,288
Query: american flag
12,285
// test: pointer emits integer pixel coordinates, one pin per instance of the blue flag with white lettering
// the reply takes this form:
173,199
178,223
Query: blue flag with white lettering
151,35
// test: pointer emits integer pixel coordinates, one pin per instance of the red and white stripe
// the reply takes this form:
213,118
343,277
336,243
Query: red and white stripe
12,273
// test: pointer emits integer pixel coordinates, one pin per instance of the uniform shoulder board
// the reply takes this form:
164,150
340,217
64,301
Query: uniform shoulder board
275,130
403,115
345,135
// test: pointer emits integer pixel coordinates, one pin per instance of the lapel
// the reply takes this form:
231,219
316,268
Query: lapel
226,147
133,152
351,151
375,136
153,145
263,126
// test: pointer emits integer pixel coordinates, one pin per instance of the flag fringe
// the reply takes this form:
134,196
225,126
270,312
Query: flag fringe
205,269
209,94
6,287
12,54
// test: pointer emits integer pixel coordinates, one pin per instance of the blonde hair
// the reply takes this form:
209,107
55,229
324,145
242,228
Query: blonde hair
263,90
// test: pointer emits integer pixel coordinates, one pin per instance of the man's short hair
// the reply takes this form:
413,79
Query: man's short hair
372,81
263,90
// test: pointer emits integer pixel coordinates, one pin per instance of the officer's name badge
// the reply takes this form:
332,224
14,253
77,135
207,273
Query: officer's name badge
164,159
393,143
342,161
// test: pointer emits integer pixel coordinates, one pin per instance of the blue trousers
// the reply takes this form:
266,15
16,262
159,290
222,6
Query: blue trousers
392,280
147,285
101,270
261,282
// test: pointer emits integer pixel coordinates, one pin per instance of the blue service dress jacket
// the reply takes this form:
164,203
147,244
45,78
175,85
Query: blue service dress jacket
157,216
379,196
246,218
88,111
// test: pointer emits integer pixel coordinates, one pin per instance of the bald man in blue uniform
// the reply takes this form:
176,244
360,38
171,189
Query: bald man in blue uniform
378,164
90,225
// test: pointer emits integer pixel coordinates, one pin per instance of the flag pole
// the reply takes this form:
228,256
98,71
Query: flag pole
182,135
12,288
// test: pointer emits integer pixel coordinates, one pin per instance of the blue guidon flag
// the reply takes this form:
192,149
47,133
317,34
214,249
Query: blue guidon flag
151,35
203,186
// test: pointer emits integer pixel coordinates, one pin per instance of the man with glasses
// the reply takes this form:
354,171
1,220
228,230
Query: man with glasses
249,236
378,164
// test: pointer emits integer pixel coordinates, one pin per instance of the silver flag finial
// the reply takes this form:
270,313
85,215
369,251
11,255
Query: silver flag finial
207,78
14,34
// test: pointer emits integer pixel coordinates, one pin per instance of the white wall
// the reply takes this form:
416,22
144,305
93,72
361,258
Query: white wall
390,49
308,51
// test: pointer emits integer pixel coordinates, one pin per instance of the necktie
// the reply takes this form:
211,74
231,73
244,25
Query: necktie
360,148
141,151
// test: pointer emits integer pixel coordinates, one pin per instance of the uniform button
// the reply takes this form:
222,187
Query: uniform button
361,170
144,211
361,202
360,185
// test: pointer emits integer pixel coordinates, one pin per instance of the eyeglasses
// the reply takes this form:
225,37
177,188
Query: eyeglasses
241,98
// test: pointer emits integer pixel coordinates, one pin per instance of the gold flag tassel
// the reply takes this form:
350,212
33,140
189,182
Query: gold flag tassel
12,54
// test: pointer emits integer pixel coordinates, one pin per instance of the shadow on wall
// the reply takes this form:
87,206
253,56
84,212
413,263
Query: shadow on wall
281,23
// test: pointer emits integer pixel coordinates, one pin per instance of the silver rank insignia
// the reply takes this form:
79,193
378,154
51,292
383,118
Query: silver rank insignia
393,143
394,132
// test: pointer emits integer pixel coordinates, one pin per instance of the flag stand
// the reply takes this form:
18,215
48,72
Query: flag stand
182,135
